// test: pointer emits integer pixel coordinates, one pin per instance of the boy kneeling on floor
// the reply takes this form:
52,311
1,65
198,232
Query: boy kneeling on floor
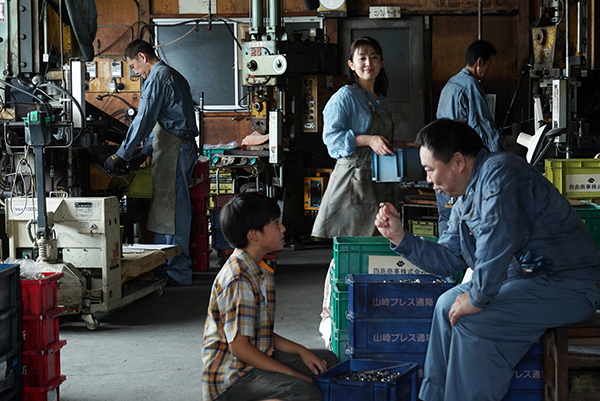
243,358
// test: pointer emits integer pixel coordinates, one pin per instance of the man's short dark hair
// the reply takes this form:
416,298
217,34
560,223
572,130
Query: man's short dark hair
139,46
479,48
445,137
245,212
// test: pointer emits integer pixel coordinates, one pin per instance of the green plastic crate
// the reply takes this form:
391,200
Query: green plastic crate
574,178
367,255
339,305
339,339
590,214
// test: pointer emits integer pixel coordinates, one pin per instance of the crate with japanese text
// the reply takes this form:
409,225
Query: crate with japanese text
528,374
388,335
574,178
337,388
395,296
368,255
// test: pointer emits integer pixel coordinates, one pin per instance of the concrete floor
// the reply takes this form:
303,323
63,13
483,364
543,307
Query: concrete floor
150,349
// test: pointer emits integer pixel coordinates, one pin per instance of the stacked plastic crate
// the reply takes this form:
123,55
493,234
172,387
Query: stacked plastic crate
10,333
41,344
199,234
358,255
389,317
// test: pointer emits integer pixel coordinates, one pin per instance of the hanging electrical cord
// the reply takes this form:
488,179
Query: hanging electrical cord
100,97
39,99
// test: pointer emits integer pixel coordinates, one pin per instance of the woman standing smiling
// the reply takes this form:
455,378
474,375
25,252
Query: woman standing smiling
356,121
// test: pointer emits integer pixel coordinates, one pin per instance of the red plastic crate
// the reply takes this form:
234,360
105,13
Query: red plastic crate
200,180
199,244
199,226
46,392
40,296
41,331
221,200
199,206
201,262
43,366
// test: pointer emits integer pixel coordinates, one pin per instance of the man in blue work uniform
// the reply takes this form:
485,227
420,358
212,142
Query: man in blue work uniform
166,122
463,99
535,263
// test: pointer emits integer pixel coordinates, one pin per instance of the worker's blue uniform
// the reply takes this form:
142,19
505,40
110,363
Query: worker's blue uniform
535,266
463,99
166,122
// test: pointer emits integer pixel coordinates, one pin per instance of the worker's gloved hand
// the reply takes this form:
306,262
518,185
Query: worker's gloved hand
137,160
114,164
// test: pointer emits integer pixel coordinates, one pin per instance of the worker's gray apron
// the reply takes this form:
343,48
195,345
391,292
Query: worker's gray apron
165,156
351,200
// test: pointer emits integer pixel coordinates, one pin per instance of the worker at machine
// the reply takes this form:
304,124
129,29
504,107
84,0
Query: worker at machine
463,99
356,121
536,266
166,122
243,358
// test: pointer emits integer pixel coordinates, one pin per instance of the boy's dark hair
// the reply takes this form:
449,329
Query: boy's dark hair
445,137
139,46
245,212
479,48
381,82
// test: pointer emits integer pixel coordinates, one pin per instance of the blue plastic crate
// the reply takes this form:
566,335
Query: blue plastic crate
388,335
403,165
218,239
375,295
524,395
10,287
401,389
11,378
419,359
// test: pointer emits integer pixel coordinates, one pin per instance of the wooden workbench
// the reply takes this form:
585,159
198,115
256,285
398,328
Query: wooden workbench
135,264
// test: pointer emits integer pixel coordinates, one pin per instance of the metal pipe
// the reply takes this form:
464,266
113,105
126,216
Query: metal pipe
479,18
567,36
274,13
256,8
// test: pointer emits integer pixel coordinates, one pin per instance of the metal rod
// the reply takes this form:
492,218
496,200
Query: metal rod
479,19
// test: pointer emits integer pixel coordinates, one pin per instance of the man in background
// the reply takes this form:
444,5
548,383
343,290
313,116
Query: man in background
463,99
166,124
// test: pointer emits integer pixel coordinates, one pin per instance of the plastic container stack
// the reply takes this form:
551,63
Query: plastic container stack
10,333
200,235
41,373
